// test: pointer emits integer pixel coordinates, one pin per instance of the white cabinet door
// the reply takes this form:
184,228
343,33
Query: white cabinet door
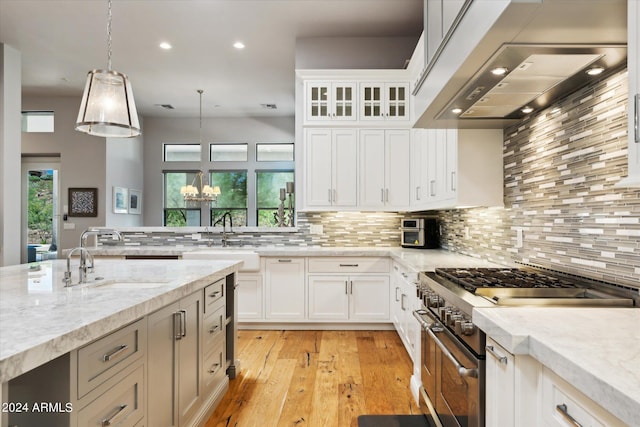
372,101
633,65
250,297
331,167
397,168
284,287
372,160
318,153
344,167
450,164
328,297
384,101
369,297
500,386
397,101
318,101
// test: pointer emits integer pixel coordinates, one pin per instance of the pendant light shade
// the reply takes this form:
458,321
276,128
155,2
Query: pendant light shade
108,108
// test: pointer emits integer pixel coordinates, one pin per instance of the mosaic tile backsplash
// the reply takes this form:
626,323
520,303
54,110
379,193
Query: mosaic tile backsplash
561,167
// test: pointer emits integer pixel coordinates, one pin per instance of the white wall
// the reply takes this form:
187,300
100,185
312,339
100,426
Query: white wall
10,122
125,168
161,130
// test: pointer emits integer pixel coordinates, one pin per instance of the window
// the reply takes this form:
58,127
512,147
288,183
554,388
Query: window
268,196
274,152
176,211
37,121
233,196
249,190
181,152
228,152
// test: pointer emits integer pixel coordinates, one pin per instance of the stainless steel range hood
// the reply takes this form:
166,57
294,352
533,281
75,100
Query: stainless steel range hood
545,45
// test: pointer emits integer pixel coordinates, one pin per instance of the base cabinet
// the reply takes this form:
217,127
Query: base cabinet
250,297
403,303
174,370
285,288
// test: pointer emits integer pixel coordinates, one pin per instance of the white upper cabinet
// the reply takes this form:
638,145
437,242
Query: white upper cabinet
330,101
633,66
331,167
385,177
456,168
439,17
384,101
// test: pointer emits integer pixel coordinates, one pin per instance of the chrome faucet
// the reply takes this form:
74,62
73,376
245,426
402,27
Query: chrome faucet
82,268
223,219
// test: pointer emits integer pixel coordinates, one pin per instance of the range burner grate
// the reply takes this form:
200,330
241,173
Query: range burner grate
473,278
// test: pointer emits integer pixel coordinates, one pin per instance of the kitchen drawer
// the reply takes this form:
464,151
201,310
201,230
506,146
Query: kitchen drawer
213,330
214,296
122,405
342,265
561,402
215,366
98,361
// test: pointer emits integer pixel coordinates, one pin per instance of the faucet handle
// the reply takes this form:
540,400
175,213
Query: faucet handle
67,278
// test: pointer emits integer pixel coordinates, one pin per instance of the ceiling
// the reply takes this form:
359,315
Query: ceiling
61,40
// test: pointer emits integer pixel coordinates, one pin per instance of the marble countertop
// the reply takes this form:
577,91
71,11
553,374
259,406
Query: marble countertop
40,319
597,350
414,259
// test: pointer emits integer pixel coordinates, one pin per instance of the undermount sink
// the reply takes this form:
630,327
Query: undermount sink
129,284
250,259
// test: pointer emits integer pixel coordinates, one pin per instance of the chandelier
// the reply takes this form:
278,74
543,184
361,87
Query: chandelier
107,108
206,194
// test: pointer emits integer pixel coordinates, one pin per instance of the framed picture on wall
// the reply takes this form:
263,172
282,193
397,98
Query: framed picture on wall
135,201
83,202
120,200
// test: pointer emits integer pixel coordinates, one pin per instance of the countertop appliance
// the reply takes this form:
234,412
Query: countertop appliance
453,352
421,233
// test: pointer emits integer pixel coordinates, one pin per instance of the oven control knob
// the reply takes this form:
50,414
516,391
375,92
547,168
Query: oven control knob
444,312
464,327
454,317
435,301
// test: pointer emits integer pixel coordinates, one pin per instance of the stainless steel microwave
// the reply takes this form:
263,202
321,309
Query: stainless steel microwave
420,233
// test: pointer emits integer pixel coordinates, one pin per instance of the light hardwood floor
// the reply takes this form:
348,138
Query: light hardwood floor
316,378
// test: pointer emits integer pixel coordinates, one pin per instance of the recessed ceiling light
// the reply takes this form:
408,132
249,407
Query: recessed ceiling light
165,46
594,71
238,45
527,110
499,71
456,110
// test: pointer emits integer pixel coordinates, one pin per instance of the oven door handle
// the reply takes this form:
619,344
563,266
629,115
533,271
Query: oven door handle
435,326
462,371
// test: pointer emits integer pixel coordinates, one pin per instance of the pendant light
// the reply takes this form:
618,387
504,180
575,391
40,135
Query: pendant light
107,108
190,193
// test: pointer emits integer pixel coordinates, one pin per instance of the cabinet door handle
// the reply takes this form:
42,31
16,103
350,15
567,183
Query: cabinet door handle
329,198
494,353
335,197
284,260
402,306
397,289
183,322
453,181
346,287
636,117
351,283
114,353
432,184
177,326
386,195
418,193
565,413
112,419
382,195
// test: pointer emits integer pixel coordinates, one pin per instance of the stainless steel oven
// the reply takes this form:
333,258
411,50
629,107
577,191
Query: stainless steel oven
452,376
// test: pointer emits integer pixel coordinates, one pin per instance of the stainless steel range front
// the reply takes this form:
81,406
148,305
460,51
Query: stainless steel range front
453,349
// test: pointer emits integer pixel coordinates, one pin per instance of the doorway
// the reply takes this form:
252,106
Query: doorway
40,201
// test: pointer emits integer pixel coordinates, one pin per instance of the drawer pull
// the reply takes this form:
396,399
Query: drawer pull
492,351
214,329
215,294
214,368
565,413
285,260
348,265
114,353
114,418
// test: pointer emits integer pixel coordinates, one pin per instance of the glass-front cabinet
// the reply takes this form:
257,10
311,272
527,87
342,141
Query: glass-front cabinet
384,101
330,101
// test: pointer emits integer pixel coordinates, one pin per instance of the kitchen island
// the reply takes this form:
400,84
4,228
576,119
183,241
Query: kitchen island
42,321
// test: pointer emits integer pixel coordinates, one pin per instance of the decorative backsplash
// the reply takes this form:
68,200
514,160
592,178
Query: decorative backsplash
344,229
561,167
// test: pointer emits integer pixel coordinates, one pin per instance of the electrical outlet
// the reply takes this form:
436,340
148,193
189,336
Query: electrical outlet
519,237
69,226
316,229
196,236
466,233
